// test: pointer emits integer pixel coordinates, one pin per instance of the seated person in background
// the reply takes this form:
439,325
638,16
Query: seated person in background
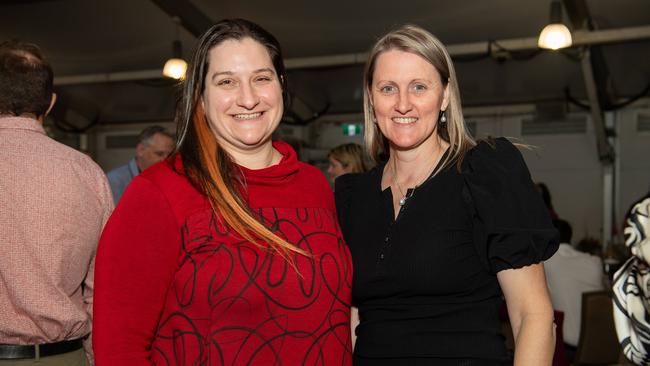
154,145
569,273
344,159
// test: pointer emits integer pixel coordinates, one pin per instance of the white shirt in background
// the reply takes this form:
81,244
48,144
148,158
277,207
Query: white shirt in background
570,273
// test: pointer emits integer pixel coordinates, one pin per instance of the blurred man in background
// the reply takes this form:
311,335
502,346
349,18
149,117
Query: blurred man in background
154,145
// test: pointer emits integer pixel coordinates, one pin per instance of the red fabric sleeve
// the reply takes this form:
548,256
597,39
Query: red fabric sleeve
136,259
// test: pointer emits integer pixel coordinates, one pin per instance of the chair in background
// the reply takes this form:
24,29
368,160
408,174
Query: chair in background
598,344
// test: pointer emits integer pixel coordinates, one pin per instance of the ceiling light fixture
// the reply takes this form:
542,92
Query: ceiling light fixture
555,35
176,67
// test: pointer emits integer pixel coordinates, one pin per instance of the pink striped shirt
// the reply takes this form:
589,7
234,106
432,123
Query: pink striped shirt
54,202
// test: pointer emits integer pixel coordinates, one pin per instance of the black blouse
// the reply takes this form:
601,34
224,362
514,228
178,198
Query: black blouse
425,283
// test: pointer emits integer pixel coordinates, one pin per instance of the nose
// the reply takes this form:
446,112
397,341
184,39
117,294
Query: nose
248,97
403,102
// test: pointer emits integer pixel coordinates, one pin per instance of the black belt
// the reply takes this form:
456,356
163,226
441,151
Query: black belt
16,351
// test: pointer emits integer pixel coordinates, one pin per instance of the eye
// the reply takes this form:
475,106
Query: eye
227,83
419,88
263,79
387,89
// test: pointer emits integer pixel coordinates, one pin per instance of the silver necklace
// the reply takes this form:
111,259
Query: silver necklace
409,192
402,201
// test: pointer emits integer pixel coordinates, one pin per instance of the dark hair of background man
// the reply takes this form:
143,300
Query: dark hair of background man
26,79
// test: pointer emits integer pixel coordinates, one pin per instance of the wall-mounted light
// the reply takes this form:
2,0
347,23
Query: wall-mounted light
555,35
176,67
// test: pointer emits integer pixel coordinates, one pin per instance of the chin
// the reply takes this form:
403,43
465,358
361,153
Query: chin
404,143
254,141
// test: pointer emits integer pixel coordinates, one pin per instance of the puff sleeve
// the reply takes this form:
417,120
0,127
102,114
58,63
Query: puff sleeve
512,227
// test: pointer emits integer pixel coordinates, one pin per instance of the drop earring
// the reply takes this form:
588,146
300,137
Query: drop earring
443,119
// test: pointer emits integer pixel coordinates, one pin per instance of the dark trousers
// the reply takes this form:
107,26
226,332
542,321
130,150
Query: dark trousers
74,358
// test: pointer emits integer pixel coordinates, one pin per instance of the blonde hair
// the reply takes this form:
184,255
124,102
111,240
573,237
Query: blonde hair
350,156
415,40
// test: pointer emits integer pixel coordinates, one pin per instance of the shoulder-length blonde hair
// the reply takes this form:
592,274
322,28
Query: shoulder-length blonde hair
415,40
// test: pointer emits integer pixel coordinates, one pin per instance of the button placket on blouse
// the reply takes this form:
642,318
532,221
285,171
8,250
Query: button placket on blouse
382,256
386,245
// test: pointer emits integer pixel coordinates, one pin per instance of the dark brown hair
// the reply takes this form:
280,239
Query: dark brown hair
207,165
26,79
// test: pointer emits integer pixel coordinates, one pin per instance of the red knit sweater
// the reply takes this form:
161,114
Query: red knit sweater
174,287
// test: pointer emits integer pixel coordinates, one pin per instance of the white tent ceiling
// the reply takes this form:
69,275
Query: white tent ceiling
98,37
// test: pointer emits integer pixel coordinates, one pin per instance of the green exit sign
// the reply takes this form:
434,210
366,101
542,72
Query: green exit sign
352,129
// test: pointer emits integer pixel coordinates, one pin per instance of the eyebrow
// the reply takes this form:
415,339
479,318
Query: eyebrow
411,81
258,71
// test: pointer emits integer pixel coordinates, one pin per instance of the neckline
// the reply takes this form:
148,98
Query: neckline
388,192
437,169
284,169
409,191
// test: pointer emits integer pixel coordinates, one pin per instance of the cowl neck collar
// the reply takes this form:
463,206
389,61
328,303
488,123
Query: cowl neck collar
277,173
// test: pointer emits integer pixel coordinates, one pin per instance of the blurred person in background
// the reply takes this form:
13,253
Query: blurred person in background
154,145
344,159
54,201
571,272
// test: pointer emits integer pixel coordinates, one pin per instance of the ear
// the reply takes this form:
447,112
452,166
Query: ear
52,102
139,149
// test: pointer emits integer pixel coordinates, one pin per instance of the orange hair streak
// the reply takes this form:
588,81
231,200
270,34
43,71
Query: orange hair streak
224,196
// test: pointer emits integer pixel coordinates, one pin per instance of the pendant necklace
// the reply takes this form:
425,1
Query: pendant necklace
409,192
402,201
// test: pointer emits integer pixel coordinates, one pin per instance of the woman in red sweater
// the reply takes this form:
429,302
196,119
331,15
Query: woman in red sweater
229,252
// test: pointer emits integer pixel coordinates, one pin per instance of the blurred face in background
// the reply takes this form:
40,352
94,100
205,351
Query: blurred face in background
336,169
153,150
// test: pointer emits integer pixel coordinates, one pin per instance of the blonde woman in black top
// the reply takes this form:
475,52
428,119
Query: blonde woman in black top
444,228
